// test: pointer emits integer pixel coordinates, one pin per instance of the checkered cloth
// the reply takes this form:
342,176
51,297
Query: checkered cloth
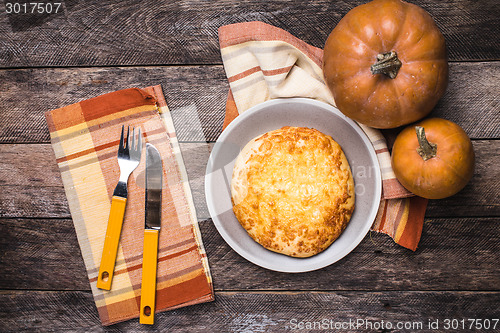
85,138
263,62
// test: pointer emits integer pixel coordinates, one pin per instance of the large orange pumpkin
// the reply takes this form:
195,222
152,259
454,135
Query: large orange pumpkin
385,63
434,159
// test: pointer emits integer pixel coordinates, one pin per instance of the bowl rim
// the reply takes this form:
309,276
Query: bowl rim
258,260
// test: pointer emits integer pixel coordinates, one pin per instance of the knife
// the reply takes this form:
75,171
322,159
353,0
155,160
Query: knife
154,171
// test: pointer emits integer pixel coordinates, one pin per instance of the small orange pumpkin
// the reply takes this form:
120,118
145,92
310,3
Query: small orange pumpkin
435,162
386,64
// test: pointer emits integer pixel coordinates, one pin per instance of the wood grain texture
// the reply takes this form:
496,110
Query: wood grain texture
43,254
104,33
255,312
21,181
197,95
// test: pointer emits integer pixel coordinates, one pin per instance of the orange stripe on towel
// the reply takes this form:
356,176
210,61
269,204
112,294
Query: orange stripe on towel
257,69
413,229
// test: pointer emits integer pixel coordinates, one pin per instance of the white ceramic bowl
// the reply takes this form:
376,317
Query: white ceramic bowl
272,115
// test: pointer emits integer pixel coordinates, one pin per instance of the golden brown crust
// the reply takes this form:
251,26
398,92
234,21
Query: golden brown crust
293,191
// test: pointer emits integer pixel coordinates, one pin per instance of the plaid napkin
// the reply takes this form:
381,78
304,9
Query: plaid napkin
263,62
85,139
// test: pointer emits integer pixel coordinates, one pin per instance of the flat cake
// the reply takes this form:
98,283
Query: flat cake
292,190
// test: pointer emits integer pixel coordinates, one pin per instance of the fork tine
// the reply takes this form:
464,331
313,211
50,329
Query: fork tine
127,140
120,147
139,142
133,139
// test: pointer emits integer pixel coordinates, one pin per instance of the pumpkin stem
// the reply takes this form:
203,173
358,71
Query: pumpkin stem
387,64
427,150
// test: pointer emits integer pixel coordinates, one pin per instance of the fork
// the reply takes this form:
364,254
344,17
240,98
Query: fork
129,156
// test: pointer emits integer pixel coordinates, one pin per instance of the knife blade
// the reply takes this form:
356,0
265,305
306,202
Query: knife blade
152,217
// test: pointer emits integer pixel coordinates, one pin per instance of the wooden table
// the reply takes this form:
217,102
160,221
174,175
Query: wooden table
94,47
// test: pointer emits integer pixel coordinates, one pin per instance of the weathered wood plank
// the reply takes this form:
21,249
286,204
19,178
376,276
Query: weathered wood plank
29,171
197,96
261,312
466,98
49,252
103,33
43,254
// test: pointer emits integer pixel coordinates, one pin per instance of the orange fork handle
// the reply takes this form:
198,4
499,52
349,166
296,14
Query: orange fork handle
110,250
148,285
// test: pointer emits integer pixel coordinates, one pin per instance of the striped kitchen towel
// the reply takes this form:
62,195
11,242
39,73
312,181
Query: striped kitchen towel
85,139
263,62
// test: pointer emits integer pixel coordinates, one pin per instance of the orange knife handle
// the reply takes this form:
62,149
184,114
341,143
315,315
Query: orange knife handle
110,250
148,285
